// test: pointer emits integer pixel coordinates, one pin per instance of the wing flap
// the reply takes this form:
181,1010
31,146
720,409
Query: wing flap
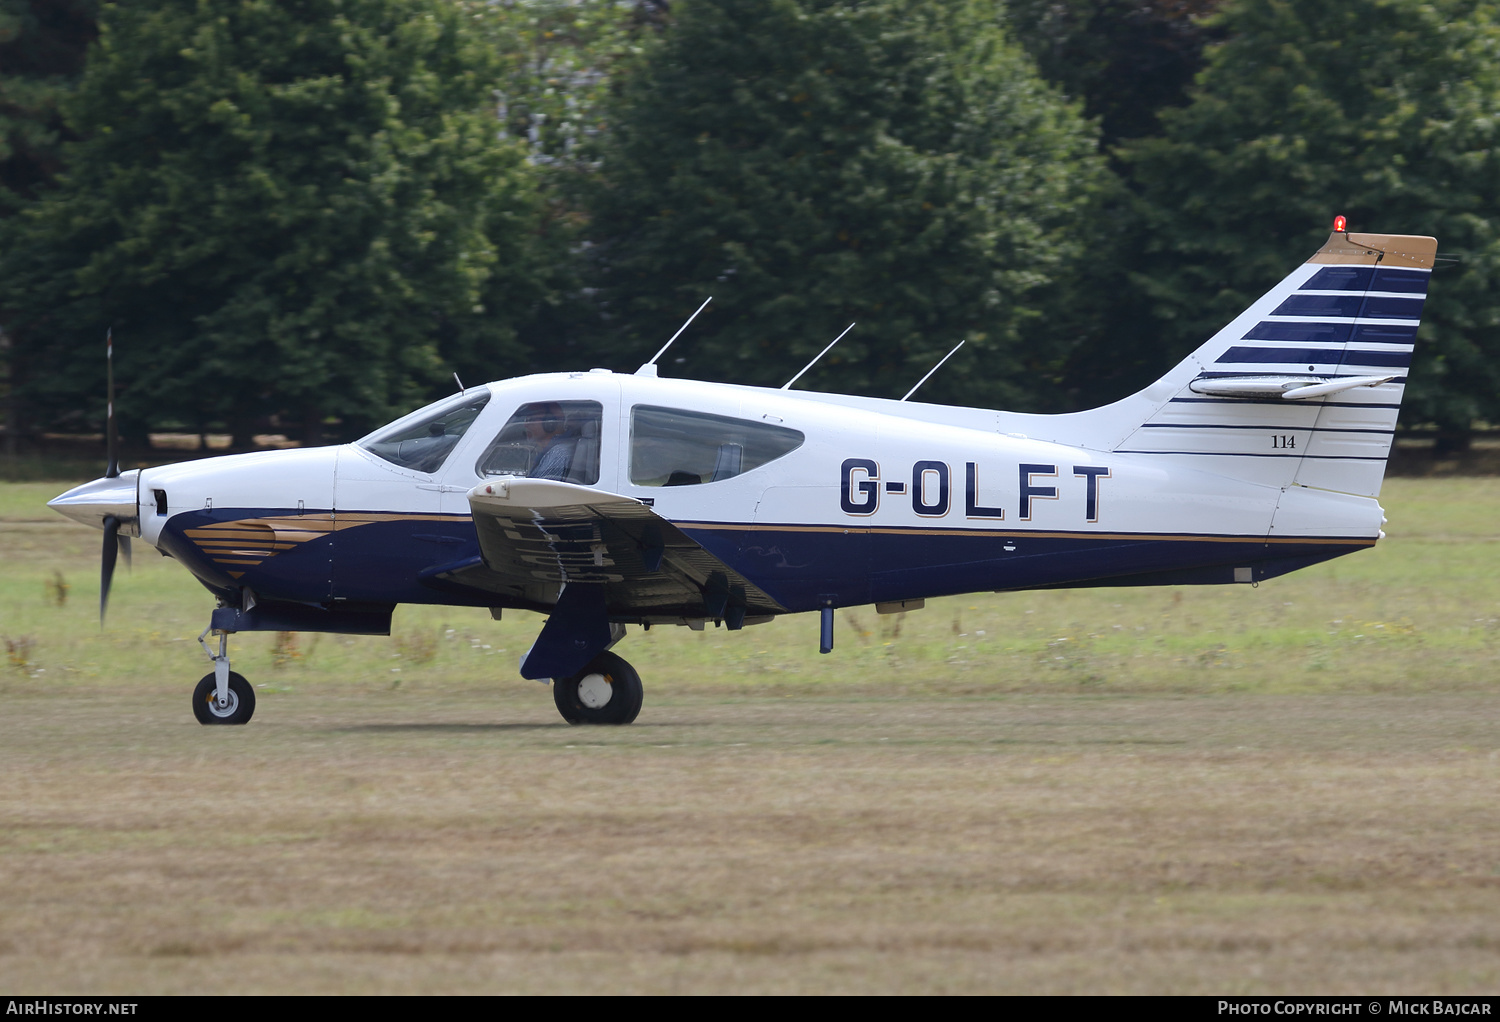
538,534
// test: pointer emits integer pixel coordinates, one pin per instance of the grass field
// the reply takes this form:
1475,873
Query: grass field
1282,789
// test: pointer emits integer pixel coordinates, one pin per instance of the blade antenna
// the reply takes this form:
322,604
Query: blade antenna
461,390
788,384
935,368
111,441
651,365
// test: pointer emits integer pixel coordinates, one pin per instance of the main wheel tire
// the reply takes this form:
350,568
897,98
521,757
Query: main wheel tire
607,691
241,701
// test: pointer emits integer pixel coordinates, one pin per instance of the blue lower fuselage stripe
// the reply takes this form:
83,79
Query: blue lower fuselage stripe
382,561
798,568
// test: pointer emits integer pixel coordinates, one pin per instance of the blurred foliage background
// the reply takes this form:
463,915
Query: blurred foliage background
303,216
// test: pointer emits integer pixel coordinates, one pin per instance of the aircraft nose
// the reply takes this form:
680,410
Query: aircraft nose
102,498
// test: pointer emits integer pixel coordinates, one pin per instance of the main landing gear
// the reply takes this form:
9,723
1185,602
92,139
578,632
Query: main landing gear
222,697
607,691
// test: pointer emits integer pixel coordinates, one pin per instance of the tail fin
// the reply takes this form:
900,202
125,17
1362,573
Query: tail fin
1304,386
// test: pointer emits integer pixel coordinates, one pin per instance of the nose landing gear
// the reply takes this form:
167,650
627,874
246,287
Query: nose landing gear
222,697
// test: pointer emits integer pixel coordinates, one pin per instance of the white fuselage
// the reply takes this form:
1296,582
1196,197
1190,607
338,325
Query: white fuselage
884,505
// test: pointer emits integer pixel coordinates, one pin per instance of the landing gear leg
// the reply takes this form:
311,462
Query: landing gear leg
222,697
607,691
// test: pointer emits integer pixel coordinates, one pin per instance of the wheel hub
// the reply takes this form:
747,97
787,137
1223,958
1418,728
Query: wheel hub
227,709
594,691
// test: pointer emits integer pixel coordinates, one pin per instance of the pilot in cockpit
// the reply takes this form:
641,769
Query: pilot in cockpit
554,443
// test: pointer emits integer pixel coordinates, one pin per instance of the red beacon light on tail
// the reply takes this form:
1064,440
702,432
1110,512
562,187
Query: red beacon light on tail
1340,225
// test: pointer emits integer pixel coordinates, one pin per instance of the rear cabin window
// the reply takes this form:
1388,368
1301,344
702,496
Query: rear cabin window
672,447
423,440
547,440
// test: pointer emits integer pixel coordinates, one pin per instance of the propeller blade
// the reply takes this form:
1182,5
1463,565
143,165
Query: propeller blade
125,551
107,568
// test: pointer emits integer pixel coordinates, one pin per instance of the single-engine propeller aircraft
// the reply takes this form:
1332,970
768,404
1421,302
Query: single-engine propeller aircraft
605,500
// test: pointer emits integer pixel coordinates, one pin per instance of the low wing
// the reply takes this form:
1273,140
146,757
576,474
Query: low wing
535,534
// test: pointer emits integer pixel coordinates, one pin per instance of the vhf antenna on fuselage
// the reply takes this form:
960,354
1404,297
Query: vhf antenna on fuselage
649,369
935,368
788,384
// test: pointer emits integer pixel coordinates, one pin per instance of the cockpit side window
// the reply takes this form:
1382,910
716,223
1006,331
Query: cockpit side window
547,440
673,447
423,440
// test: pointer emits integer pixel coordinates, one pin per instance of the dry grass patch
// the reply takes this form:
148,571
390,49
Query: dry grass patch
462,841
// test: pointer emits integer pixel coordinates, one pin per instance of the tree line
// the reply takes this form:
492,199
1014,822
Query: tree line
313,213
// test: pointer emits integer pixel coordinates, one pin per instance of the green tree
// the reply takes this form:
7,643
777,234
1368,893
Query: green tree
1383,110
1126,59
815,162
559,57
42,47
290,206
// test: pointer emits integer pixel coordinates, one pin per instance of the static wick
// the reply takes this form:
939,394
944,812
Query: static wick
788,384
935,368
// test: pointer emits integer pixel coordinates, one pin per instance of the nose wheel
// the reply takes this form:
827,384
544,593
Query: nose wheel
236,709
222,696
607,691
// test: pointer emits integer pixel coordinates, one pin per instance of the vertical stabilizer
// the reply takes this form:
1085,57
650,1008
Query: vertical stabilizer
1303,387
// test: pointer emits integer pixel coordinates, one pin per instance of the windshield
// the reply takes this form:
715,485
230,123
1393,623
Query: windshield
423,440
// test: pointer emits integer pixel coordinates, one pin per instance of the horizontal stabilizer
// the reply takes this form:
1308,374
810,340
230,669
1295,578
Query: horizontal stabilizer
1335,386
1289,388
